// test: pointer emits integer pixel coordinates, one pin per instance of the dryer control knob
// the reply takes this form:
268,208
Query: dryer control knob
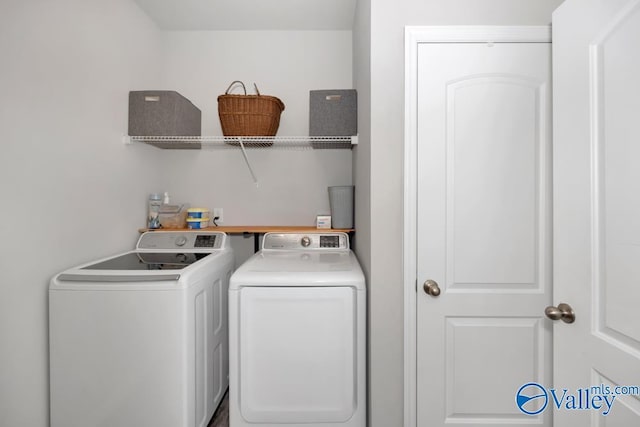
305,241
181,240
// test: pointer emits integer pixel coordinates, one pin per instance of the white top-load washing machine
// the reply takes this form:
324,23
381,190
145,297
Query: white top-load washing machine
297,325
141,338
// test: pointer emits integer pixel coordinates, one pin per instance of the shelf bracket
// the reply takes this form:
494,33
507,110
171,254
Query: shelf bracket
246,159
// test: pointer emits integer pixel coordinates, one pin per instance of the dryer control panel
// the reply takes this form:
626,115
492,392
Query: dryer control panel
307,241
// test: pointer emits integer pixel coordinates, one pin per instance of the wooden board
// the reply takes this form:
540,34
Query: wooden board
240,229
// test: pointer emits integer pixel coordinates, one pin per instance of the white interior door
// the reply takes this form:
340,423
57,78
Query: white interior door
597,209
483,230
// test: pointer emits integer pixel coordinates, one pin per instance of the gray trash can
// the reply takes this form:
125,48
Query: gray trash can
341,204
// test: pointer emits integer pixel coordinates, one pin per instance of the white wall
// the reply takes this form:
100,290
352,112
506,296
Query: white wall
362,154
388,18
70,189
292,185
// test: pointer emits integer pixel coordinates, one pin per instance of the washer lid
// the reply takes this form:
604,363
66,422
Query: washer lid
140,267
148,261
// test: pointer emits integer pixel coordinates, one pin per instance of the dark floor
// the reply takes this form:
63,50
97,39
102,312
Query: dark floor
221,416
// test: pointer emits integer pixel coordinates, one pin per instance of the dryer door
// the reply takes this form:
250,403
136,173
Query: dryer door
297,354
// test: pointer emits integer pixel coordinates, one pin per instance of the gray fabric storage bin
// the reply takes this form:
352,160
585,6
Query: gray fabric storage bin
333,112
163,113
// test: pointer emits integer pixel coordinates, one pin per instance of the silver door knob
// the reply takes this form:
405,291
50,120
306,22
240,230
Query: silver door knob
431,288
562,312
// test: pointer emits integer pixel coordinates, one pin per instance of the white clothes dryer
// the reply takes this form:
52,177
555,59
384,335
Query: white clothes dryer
297,325
141,338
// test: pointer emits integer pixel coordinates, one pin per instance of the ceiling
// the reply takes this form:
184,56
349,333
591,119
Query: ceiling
250,14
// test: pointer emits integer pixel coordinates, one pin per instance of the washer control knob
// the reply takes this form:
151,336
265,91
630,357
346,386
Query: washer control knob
181,240
305,241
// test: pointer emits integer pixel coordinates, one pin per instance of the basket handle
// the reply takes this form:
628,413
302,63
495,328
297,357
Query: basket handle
233,83
243,87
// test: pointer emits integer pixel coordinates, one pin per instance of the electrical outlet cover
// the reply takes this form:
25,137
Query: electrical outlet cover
218,212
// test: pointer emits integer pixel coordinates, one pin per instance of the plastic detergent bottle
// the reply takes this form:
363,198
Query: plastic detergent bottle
153,219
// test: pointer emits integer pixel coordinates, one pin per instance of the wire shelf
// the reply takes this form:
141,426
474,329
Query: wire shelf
248,142
244,143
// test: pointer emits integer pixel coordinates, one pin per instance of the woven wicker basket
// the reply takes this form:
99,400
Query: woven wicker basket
249,115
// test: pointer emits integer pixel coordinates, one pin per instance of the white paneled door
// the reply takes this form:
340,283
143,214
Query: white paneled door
479,153
597,210
483,230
